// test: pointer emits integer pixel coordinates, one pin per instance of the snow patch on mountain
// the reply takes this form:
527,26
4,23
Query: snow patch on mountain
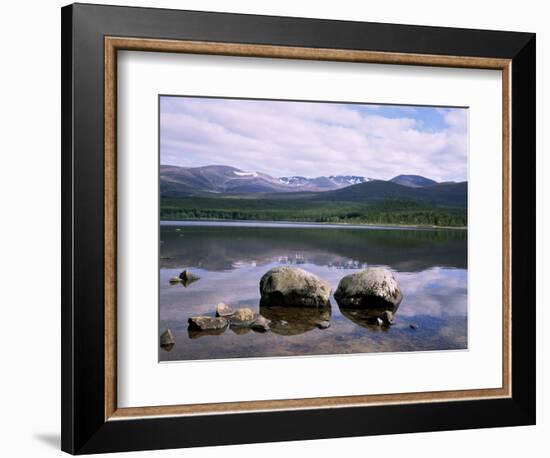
294,181
344,180
327,182
246,174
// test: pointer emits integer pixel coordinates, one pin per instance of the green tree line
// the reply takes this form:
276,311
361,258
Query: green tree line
383,212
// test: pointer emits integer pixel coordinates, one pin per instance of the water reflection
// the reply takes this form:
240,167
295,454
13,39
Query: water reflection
175,281
291,321
240,330
225,248
429,265
195,334
367,317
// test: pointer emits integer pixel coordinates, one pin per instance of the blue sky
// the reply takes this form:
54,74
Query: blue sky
283,138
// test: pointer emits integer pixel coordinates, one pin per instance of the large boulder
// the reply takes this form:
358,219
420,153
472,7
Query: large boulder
293,287
373,287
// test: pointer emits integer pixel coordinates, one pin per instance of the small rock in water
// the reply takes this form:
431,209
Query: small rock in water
387,318
323,324
261,324
379,321
167,337
175,280
207,323
187,277
167,340
223,309
413,326
243,317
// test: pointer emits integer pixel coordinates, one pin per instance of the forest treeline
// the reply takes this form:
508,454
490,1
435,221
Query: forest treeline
387,211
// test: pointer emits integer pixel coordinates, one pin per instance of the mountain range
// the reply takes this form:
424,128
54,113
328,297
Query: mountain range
215,180
218,192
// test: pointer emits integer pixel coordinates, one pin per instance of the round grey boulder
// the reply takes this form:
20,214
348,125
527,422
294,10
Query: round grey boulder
369,288
293,287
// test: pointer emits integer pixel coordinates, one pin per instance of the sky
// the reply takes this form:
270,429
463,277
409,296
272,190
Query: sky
311,139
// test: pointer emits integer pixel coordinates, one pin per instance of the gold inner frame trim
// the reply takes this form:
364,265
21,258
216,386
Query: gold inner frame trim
114,44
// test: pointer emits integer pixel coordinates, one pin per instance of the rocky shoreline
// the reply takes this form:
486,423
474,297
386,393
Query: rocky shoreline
294,301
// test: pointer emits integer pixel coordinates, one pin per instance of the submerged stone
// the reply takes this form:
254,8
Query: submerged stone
372,318
197,333
323,324
239,330
261,324
387,318
291,321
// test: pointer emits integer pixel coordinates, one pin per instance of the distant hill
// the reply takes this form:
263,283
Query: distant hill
322,183
228,193
222,179
214,179
452,195
413,181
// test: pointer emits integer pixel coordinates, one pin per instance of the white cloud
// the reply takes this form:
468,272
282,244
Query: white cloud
313,139
436,292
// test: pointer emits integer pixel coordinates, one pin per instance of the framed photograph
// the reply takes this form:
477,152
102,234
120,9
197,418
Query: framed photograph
284,228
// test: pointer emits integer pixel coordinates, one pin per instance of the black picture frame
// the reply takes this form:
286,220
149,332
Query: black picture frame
84,427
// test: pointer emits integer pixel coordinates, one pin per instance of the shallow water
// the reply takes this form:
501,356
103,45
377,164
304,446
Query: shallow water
430,265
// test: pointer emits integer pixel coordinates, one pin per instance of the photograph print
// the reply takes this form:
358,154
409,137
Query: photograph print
301,228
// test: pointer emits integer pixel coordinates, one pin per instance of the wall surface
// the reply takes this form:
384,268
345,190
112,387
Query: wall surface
30,232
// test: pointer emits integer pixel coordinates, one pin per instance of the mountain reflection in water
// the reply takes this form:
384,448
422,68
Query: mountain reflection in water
430,265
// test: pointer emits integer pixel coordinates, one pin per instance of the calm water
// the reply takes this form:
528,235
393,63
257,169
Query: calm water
230,258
